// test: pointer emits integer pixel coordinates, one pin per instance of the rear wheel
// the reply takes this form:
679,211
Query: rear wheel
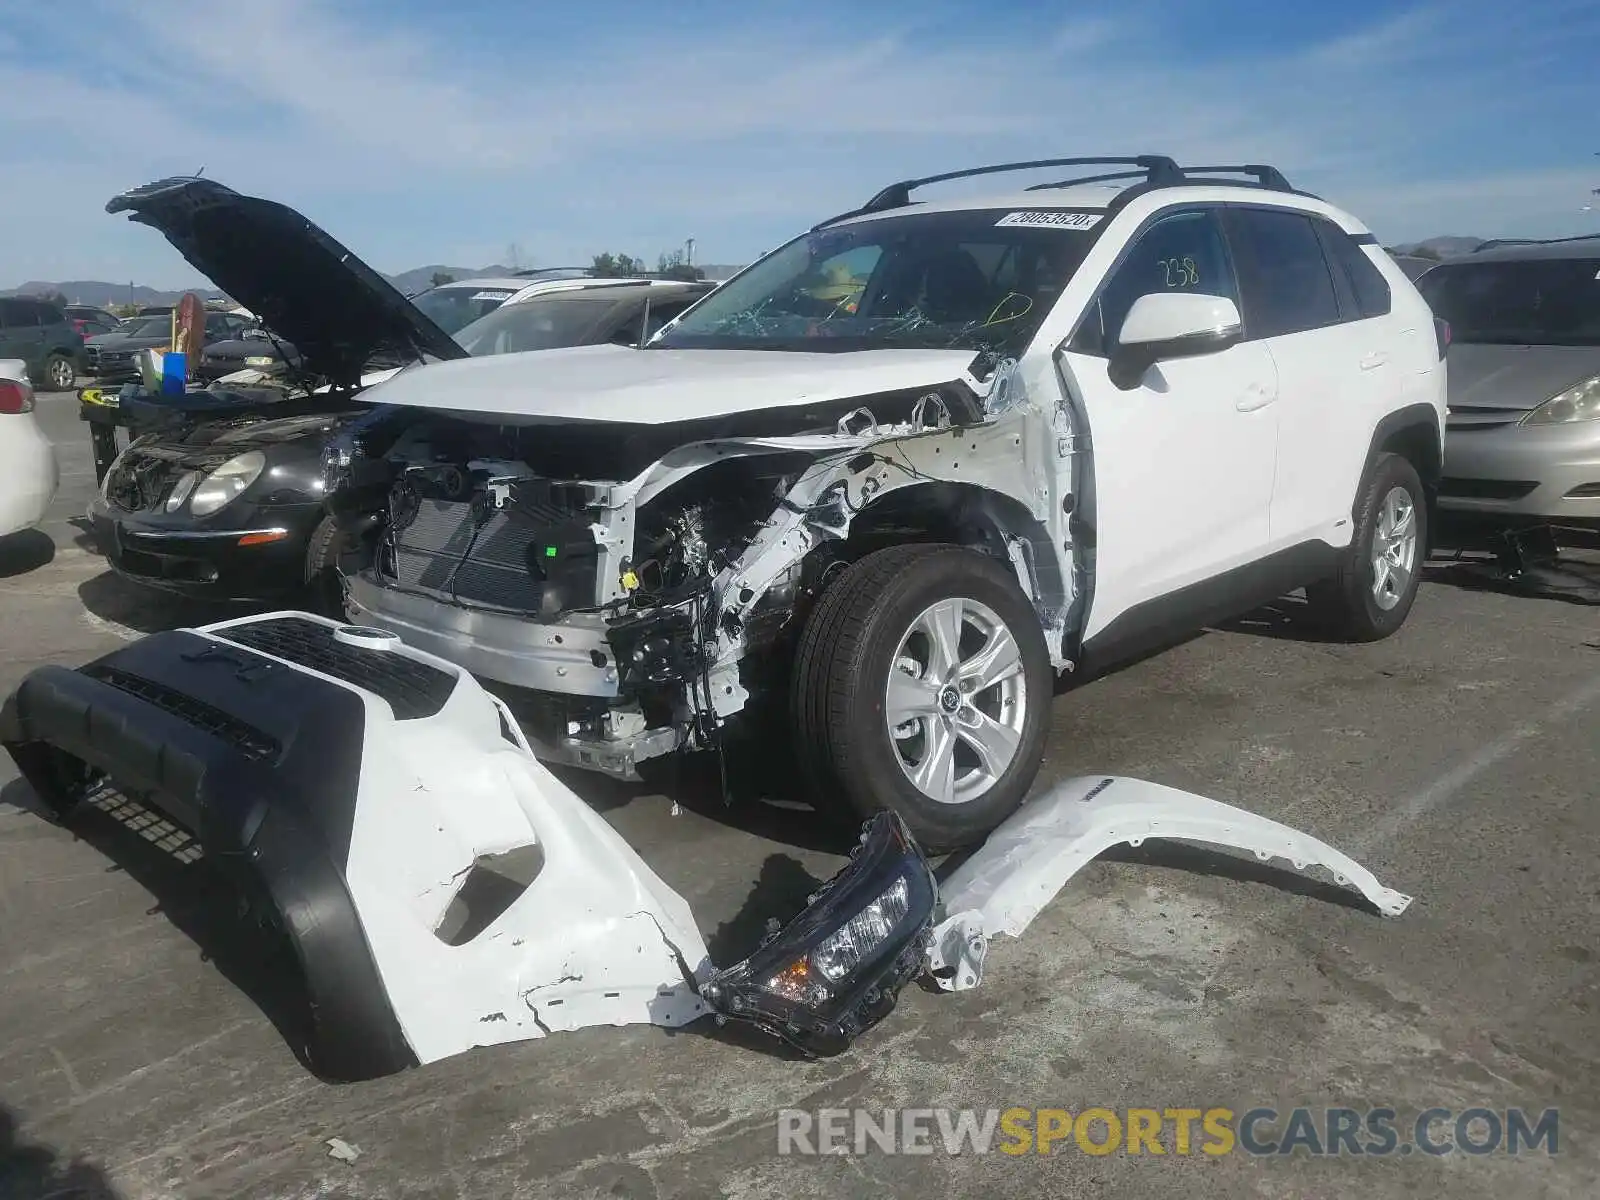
59,373
1371,595
922,684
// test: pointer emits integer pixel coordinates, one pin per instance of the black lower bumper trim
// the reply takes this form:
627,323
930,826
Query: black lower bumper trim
261,765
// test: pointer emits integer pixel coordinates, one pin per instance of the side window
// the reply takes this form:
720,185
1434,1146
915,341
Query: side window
49,314
1283,274
1185,252
1367,284
19,314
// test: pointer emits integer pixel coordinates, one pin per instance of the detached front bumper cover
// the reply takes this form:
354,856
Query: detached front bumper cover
441,889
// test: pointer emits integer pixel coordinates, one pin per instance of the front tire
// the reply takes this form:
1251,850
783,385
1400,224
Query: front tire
922,684
324,593
1371,595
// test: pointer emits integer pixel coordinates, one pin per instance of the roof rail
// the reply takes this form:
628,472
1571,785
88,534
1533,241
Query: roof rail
1496,243
1157,168
1152,171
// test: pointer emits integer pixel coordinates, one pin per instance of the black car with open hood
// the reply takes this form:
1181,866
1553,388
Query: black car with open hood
338,312
218,492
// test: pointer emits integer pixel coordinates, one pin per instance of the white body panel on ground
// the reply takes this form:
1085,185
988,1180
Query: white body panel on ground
1026,862
596,938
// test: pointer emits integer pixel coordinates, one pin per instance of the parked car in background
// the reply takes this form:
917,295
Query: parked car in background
452,306
110,357
253,349
39,334
1523,438
587,312
1414,265
90,321
28,471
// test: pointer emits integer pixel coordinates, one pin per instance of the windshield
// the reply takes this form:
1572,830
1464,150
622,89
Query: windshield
143,327
1536,302
542,323
451,308
975,280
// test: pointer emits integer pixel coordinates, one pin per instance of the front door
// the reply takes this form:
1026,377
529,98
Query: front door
1183,462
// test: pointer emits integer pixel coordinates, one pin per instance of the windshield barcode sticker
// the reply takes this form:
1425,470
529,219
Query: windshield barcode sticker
490,295
1052,219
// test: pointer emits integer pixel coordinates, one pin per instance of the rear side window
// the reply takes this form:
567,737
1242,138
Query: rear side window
19,314
49,314
1284,280
1367,284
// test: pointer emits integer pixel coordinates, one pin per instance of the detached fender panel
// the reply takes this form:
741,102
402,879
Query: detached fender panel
442,890
1024,863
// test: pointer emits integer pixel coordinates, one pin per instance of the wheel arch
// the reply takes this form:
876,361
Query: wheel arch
970,515
1413,433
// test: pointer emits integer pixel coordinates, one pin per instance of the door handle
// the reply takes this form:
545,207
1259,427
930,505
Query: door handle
1374,360
1255,396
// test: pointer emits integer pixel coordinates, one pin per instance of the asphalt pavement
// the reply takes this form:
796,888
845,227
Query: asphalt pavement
1458,760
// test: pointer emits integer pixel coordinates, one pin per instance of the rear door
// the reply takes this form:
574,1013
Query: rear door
1333,367
1183,462
21,335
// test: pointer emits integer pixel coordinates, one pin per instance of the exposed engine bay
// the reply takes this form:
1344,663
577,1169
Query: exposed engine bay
640,580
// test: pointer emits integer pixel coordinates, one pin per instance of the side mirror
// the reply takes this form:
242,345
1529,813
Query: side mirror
1167,325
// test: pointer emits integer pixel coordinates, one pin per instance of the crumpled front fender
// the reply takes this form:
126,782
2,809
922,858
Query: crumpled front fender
1024,863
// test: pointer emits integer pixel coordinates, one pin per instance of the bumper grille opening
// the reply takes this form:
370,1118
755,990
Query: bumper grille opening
246,738
413,689
1487,489
1585,491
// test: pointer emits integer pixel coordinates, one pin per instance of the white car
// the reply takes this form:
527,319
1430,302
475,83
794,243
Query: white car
901,474
29,473
456,304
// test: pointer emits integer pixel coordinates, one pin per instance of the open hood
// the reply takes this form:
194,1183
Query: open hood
660,387
303,285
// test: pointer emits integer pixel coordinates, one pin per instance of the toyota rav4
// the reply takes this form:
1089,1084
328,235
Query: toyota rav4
902,473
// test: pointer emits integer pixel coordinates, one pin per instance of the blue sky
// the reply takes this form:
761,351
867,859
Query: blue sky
420,132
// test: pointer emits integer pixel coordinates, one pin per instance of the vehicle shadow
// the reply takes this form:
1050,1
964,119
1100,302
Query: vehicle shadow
188,891
1288,618
755,789
146,610
25,551
34,1171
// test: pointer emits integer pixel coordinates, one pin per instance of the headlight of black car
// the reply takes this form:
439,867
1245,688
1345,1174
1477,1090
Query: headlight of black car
225,484
837,969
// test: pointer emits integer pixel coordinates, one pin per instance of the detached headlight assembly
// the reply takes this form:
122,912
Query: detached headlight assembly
1581,403
224,484
836,969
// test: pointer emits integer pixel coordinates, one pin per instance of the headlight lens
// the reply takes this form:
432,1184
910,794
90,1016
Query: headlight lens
227,481
181,490
1581,403
259,360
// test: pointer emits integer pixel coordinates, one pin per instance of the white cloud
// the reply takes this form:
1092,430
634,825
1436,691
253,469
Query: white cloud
406,145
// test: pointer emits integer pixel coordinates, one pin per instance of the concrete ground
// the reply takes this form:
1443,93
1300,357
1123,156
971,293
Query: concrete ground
1458,760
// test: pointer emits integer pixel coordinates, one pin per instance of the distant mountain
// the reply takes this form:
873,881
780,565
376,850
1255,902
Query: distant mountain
102,294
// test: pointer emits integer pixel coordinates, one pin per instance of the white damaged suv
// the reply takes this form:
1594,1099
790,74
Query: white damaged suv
898,476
